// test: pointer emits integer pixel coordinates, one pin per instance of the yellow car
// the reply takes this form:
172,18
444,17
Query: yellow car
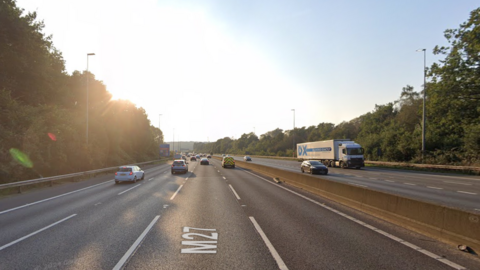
228,162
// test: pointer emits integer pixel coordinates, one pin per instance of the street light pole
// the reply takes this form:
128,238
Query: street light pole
88,54
424,93
293,153
159,121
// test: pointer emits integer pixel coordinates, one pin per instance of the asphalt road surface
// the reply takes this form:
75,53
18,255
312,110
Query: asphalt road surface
208,218
459,191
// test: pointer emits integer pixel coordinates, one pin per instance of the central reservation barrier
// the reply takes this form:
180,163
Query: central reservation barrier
449,225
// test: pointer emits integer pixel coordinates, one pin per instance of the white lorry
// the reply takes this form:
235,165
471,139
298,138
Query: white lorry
333,153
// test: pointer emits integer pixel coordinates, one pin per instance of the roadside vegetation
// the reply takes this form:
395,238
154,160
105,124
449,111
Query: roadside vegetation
43,110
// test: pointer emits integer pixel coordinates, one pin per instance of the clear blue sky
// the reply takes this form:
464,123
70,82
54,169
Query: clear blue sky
217,69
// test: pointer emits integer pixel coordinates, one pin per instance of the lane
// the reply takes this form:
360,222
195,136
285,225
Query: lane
204,228
313,233
455,191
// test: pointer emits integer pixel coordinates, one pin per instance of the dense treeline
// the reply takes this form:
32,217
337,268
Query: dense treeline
392,132
43,109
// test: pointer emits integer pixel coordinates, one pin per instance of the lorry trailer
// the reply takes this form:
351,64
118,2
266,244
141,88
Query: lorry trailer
342,153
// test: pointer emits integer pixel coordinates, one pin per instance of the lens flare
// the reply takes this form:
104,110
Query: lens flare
52,136
21,157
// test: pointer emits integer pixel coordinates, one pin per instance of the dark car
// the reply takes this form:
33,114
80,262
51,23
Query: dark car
193,158
179,165
247,158
204,161
313,166
209,156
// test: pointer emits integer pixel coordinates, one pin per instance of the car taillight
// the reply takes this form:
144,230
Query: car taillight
115,173
131,173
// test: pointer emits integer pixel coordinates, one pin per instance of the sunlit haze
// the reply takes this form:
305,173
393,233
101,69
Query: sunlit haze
216,69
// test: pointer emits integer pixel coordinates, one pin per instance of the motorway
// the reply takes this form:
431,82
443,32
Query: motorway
208,218
459,191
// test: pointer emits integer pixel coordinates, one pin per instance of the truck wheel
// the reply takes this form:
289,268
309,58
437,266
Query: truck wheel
358,168
332,163
302,170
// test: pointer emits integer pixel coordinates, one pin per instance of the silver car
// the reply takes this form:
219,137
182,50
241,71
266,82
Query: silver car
179,165
130,173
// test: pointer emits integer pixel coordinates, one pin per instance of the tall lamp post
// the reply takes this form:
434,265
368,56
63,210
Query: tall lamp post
160,138
88,54
424,93
293,153
159,120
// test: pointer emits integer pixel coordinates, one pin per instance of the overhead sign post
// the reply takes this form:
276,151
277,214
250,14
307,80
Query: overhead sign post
164,150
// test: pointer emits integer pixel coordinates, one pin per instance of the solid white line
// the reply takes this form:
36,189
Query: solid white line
175,194
27,236
465,192
457,183
357,184
68,193
410,184
234,192
438,258
129,189
272,249
434,187
135,245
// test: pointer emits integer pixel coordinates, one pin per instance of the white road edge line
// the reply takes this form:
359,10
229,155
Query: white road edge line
434,187
175,194
129,189
27,236
44,200
399,240
273,251
234,192
451,182
410,184
466,192
135,245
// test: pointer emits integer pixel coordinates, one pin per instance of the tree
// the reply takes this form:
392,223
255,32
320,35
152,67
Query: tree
454,90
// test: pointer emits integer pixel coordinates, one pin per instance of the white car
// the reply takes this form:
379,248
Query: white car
130,173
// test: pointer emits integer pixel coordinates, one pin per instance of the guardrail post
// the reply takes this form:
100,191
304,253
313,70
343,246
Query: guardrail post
51,183
19,189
